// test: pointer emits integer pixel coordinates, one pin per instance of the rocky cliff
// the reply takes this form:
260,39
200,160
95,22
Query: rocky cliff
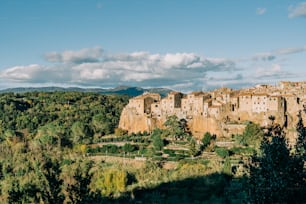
223,112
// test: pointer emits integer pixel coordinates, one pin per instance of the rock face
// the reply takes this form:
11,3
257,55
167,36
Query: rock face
200,125
223,112
132,122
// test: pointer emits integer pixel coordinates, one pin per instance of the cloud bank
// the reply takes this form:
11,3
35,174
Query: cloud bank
79,56
92,67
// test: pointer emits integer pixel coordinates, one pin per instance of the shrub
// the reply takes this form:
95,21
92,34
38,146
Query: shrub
221,152
206,140
120,132
240,150
169,151
109,182
129,147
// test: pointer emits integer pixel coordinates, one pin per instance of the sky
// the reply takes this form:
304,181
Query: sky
185,45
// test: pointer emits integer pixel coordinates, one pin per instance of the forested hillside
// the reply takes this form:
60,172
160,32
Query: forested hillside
66,118
41,158
65,147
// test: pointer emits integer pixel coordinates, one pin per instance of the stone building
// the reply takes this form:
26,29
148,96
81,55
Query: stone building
245,102
171,103
210,111
142,103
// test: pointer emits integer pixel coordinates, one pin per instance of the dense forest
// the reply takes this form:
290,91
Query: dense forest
65,147
73,117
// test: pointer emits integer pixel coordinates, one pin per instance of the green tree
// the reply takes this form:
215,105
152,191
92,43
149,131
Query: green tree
50,135
275,175
206,140
222,152
109,182
252,135
157,141
127,147
9,136
76,179
81,133
194,149
227,168
175,128
101,124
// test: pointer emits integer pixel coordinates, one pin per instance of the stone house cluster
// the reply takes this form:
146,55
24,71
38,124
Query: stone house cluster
225,105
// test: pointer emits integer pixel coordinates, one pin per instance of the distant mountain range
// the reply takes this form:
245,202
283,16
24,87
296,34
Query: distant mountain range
131,91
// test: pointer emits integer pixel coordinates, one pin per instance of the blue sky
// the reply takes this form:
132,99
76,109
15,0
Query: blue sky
180,44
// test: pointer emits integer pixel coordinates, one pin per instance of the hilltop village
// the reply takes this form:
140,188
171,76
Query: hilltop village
223,111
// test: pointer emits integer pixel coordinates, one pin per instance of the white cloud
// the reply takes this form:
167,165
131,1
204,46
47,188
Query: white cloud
180,60
298,10
21,73
79,56
274,71
264,72
91,67
261,11
182,71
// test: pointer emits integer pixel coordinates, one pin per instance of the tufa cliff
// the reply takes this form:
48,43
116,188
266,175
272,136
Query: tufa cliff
223,112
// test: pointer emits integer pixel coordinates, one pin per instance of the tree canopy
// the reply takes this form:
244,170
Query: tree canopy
276,175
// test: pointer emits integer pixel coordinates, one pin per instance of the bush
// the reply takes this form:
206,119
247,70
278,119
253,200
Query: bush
129,147
240,150
252,135
120,132
222,152
109,182
169,151
206,140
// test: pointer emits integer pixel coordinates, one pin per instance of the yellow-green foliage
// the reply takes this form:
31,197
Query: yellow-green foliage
109,182
189,170
151,175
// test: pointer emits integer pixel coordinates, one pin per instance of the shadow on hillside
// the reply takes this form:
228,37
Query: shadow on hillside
214,188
